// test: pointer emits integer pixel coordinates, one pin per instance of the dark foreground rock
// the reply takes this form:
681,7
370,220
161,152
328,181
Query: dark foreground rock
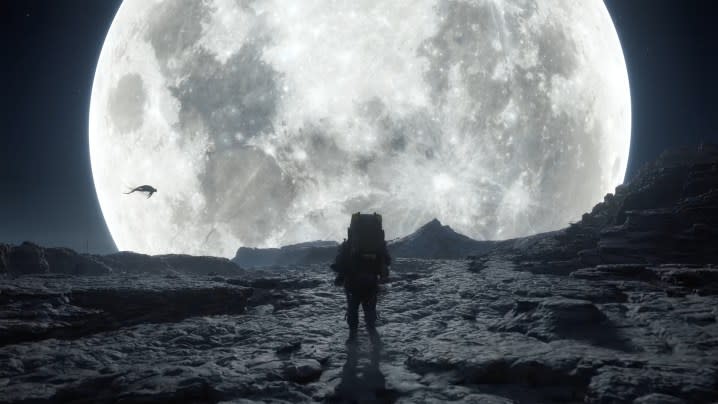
37,308
499,335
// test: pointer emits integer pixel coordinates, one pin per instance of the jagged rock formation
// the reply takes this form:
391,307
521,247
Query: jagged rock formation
432,240
668,213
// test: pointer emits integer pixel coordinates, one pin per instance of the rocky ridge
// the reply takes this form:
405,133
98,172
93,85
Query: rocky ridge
29,258
313,252
668,213
431,241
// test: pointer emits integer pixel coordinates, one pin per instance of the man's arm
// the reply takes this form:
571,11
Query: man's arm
384,275
339,265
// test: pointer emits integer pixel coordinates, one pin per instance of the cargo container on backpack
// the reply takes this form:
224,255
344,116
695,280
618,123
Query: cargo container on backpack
366,235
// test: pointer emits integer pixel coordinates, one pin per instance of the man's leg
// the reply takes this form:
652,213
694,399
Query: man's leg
369,308
352,316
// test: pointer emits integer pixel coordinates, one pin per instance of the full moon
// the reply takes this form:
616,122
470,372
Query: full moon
266,122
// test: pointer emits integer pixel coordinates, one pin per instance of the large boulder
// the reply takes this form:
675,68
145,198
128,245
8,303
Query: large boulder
27,258
303,371
69,262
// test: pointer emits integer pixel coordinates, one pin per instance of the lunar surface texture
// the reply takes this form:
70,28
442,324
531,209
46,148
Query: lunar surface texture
265,123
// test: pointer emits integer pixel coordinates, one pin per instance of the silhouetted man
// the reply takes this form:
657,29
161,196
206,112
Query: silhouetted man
363,260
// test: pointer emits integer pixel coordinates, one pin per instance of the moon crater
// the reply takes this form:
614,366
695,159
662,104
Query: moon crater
127,103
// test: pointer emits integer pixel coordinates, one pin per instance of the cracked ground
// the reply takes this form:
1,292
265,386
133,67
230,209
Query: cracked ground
452,331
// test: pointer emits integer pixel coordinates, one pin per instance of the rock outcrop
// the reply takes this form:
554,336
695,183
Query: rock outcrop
37,308
131,262
29,258
668,213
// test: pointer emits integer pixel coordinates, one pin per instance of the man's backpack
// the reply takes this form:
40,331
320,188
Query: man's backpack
366,236
367,252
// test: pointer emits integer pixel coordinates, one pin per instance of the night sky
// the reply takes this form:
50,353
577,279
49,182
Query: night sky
51,49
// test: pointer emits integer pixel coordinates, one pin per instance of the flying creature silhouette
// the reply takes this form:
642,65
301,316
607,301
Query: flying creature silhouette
144,188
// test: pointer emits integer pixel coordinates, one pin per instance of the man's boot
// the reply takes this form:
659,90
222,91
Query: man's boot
374,337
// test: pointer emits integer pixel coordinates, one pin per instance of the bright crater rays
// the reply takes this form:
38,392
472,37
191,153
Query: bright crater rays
265,123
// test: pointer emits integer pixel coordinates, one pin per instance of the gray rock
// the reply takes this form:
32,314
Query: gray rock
618,384
616,271
66,261
304,371
27,258
555,318
4,251
658,398
700,278
37,308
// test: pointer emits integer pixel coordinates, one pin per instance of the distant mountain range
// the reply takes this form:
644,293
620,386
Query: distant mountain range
432,240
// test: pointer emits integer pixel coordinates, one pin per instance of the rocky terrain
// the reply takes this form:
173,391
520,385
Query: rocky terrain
450,332
622,306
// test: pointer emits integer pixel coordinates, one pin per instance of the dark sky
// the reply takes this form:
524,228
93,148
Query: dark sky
50,49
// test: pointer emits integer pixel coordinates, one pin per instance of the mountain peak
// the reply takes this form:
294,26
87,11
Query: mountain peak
436,240
434,224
